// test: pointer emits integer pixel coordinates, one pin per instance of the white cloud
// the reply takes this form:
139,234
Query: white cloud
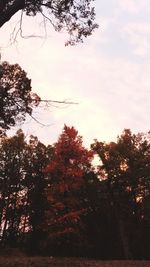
133,6
138,34
129,5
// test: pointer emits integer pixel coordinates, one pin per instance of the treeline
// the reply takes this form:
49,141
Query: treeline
54,201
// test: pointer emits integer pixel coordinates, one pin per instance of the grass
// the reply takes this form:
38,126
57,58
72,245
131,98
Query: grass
66,262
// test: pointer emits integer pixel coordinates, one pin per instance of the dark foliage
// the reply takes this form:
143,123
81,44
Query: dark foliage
53,202
125,173
16,97
76,17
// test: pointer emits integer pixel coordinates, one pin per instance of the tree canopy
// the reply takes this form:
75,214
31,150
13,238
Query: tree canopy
124,169
52,200
67,169
76,17
16,96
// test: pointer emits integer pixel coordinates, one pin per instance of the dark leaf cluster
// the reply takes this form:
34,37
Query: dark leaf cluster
54,201
75,17
16,97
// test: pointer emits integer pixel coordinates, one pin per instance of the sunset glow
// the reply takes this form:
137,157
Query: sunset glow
107,75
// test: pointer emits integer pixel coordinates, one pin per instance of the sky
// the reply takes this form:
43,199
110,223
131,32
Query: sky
108,76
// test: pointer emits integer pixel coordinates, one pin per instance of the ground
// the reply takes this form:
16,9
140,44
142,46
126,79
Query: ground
66,262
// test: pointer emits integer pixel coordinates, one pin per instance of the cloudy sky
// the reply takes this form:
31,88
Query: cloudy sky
108,75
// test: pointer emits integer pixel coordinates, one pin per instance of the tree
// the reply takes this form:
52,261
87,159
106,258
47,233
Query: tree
124,169
37,156
67,203
76,17
11,186
16,96
23,185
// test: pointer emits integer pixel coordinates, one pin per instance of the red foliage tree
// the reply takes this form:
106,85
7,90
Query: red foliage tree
67,170
70,162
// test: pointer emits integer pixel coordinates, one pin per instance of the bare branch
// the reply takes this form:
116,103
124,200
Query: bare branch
59,102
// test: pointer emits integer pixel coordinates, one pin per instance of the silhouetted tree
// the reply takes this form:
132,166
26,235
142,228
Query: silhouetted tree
16,97
52,199
76,17
23,200
125,171
11,186
37,156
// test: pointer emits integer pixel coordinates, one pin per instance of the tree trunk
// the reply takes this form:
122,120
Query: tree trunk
6,220
124,239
